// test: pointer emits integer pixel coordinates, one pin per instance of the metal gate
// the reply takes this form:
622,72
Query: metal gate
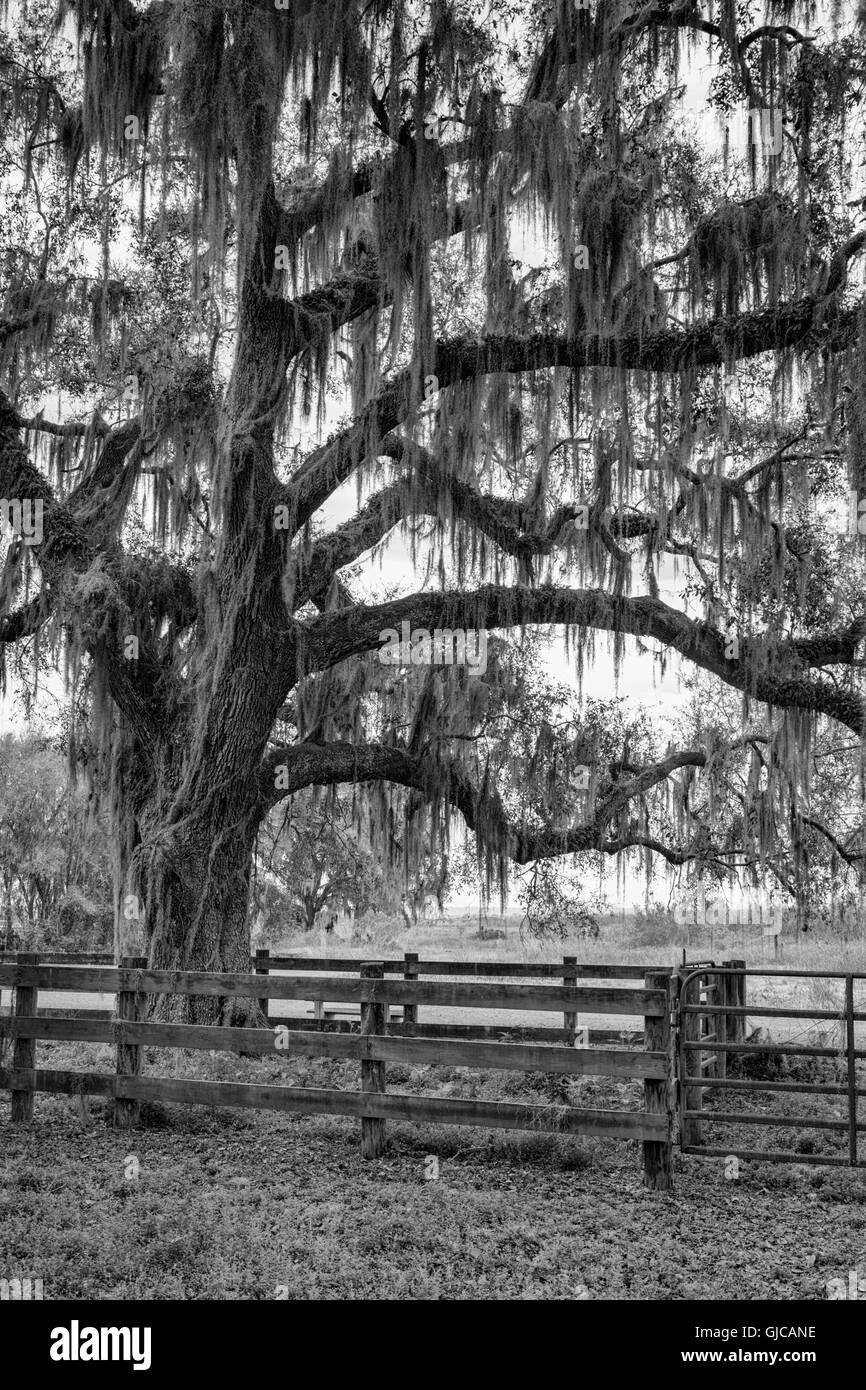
712,1009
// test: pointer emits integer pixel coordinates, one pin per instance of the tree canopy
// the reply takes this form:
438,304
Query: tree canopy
565,306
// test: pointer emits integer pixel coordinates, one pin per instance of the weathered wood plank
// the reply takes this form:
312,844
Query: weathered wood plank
736,999
85,979
601,1037
262,966
311,1042
128,1054
518,970
410,1011
569,979
417,1109
85,1014
553,1119
658,1154
612,1124
69,1083
438,994
518,1057
60,1028
24,1053
372,1073
63,957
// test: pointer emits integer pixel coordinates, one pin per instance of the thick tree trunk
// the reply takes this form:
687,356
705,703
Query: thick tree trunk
309,911
197,912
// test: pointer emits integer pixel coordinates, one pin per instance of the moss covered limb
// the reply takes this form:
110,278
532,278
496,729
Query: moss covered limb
719,342
450,786
333,637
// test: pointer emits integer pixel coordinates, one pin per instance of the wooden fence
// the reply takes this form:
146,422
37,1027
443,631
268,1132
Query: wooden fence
345,1018
374,1046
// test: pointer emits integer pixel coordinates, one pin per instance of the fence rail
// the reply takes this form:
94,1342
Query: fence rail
375,1047
518,997
417,1051
263,961
411,967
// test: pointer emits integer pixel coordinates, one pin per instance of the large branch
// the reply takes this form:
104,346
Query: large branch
311,317
430,488
781,681
25,621
850,857
21,322
447,783
798,325
559,51
74,533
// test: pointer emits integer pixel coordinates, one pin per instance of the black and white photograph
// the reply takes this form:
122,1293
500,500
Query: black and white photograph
432,652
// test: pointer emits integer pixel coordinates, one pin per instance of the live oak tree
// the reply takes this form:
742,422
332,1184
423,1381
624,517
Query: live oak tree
583,349
312,863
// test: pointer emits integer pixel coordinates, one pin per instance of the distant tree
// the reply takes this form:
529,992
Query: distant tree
54,857
756,824
311,863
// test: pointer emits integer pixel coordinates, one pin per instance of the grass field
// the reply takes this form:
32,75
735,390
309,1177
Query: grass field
201,1203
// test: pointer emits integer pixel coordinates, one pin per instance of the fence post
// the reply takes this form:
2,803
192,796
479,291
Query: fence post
722,991
658,1153
372,1073
690,1025
711,984
410,972
24,1053
128,1055
569,977
318,1010
737,999
263,967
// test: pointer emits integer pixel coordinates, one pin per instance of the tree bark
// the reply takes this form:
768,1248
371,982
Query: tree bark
197,898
